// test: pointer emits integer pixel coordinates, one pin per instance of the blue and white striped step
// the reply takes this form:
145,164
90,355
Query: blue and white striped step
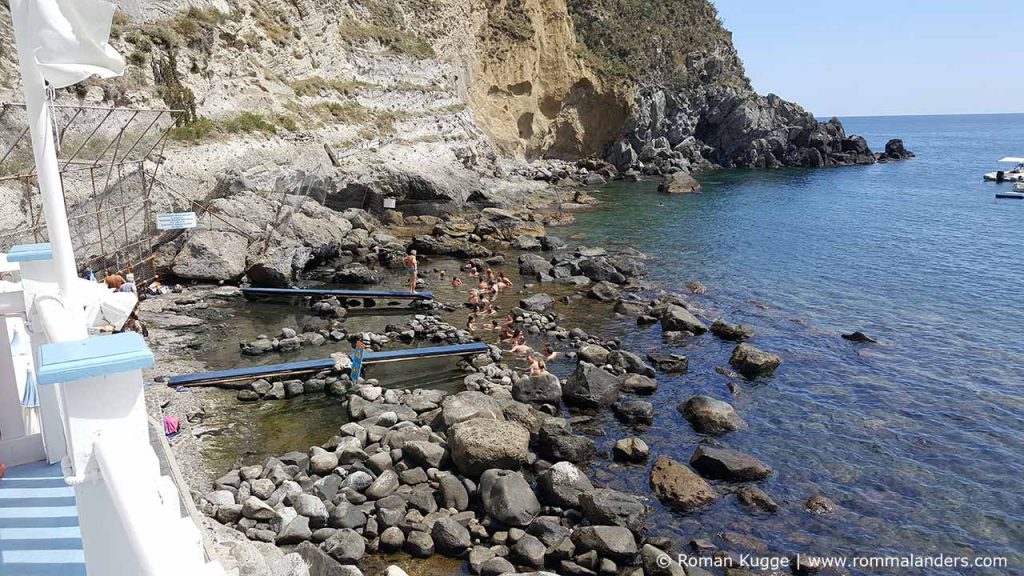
39,533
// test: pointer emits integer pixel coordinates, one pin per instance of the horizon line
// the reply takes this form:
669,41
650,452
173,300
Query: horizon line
827,116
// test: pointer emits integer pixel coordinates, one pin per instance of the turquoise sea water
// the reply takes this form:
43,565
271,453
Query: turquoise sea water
919,439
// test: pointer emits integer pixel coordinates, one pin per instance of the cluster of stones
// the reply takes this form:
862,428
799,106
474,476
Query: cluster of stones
584,266
429,473
432,329
461,238
537,323
334,382
290,340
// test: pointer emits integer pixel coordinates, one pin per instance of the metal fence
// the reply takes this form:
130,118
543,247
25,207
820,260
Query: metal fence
109,159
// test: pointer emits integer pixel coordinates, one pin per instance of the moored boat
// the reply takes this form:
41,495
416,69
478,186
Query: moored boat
1015,175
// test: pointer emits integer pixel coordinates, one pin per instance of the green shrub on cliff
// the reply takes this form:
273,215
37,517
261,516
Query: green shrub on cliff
651,41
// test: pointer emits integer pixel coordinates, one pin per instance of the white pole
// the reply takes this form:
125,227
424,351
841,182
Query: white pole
45,152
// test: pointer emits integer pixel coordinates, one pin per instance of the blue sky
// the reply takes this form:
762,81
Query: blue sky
867,57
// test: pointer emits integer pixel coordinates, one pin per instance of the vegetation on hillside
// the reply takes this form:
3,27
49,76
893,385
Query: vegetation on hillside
649,41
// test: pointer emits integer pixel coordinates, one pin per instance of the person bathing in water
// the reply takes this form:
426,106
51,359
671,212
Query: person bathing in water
549,354
411,268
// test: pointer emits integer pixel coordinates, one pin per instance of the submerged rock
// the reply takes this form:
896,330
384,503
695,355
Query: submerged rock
710,416
678,319
860,338
632,450
734,332
679,183
753,362
679,487
727,464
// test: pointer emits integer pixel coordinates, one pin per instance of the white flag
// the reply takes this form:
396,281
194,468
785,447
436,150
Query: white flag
68,39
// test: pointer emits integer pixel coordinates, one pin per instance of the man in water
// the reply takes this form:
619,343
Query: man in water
411,267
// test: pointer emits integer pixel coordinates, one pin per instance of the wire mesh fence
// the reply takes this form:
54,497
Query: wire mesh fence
108,159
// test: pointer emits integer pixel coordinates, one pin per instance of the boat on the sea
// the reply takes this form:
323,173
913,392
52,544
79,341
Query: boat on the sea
1015,175
1017,194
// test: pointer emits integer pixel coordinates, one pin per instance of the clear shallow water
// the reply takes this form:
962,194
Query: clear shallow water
919,439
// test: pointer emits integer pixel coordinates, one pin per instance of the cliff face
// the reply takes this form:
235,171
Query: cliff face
694,106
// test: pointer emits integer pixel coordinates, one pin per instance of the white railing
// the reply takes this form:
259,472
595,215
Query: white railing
93,407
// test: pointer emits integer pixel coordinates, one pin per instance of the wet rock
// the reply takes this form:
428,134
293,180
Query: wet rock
614,508
594,354
634,411
613,542
604,291
450,537
669,363
752,362
710,416
678,319
562,484
346,546
679,183
276,392
257,347
590,386
754,497
508,498
727,464
630,362
632,450
543,389
540,302
679,487
819,505
860,338
734,332
639,384
533,265
601,270
482,443
419,544
895,150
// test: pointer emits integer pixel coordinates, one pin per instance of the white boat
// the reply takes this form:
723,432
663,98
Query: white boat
1015,175
1017,194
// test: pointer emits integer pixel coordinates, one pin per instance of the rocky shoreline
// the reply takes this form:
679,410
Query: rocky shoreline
496,474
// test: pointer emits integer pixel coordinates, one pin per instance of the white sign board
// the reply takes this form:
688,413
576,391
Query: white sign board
175,220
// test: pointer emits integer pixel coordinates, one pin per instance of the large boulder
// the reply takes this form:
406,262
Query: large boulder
590,386
611,507
276,267
211,255
895,150
679,183
753,362
562,484
448,246
482,443
468,405
710,416
601,270
679,487
675,318
543,389
508,498
726,464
